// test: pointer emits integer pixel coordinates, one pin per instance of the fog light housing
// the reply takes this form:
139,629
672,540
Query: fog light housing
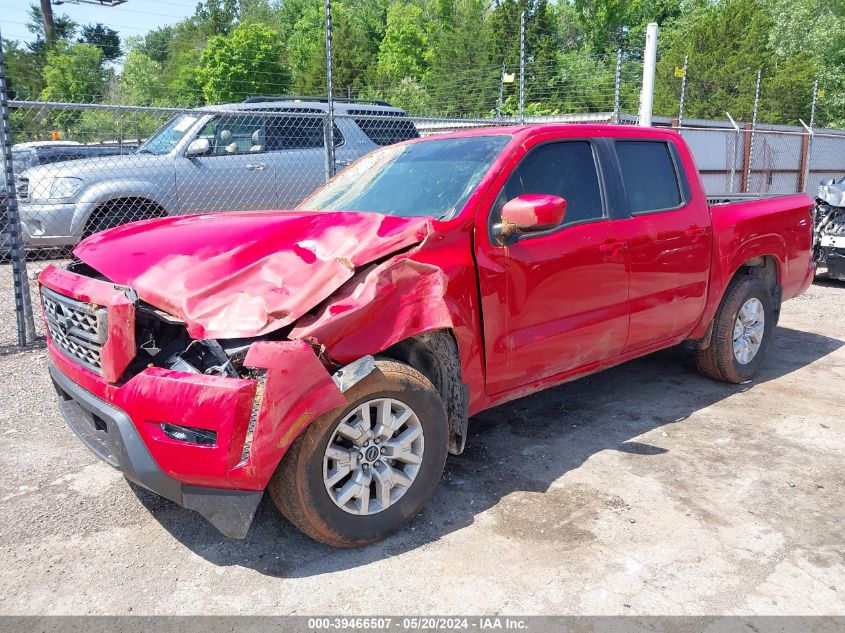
189,434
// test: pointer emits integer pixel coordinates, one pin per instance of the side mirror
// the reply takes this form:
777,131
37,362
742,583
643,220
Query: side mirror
531,212
826,182
198,147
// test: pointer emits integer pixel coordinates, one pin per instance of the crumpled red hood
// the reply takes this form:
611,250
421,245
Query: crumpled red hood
245,274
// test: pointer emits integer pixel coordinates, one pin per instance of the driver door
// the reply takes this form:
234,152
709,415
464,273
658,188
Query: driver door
554,301
235,175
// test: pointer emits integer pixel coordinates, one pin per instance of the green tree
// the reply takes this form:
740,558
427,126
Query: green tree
728,42
814,30
23,71
247,62
306,50
610,24
74,72
405,51
465,73
141,81
156,44
104,38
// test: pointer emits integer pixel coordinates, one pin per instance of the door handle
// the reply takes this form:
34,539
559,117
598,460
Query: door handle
695,231
612,246
255,166
343,163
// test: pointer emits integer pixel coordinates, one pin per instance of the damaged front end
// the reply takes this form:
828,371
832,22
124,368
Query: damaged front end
204,422
195,384
829,228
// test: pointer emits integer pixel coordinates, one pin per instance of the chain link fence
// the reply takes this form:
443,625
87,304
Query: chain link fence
78,168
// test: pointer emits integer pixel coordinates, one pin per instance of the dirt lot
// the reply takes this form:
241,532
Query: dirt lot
642,490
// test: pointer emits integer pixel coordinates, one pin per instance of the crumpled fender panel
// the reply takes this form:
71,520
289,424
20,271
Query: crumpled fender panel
379,307
245,274
298,390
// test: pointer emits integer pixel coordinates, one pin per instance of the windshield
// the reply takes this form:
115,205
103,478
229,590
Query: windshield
433,177
169,135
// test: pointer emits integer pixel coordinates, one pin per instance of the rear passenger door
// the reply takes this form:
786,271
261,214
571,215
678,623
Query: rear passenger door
296,152
669,240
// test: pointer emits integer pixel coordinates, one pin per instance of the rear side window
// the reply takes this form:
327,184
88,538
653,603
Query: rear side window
298,132
565,169
385,131
649,176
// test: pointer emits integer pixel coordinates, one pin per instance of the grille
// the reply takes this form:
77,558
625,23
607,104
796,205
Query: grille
78,329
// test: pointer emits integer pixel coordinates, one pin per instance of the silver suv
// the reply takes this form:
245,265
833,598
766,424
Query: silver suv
265,153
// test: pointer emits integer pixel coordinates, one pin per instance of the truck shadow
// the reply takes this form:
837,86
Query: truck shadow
521,447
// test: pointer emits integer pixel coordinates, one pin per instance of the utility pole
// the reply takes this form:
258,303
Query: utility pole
47,18
649,66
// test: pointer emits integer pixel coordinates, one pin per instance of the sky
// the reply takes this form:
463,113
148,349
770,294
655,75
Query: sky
133,18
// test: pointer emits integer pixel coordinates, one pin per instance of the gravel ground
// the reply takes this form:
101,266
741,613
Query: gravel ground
645,489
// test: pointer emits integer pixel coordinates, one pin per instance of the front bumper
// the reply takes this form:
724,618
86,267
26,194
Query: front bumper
110,434
53,224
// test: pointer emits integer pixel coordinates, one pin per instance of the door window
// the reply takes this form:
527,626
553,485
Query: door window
565,169
649,176
235,134
298,132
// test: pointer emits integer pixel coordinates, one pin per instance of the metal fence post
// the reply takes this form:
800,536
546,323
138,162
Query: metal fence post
522,68
736,146
329,127
501,93
813,104
617,87
649,68
683,92
23,307
804,168
749,151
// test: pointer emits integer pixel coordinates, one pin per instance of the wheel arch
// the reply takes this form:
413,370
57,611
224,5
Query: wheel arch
147,206
767,267
436,356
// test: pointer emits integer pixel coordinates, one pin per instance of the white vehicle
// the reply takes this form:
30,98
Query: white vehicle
829,227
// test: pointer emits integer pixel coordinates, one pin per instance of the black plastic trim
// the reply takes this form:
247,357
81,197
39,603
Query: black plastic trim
109,433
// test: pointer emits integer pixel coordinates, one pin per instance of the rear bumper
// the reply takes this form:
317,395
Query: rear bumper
111,435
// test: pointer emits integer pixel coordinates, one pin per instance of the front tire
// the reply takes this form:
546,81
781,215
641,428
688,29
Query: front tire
742,331
361,472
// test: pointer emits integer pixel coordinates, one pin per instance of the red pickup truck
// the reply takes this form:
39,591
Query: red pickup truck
333,354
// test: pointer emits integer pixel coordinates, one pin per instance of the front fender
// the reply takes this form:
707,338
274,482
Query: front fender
115,189
380,306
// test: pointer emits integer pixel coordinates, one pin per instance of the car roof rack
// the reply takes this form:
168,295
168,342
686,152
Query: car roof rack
268,98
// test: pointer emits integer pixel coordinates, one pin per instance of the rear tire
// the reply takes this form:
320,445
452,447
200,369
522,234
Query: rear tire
388,477
742,331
